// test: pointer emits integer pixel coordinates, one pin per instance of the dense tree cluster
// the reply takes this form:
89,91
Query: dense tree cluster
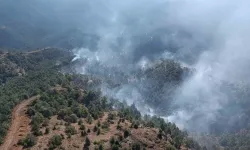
158,83
18,64
238,140
20,88
71,97
178,137
38,78
67,107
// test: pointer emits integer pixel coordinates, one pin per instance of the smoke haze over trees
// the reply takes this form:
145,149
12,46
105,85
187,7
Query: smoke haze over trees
185,60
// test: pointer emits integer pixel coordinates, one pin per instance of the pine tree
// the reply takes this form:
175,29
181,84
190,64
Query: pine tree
87,142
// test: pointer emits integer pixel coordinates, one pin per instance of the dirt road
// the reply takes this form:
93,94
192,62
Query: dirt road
19,126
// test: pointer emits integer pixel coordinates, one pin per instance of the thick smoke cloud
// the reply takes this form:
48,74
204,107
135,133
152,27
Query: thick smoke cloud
210,36
226,61
119,40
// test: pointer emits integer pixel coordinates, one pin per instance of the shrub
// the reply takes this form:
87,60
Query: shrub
117,143
149,124
111,116
55,141
87,142
68,136
136,146
37,119
95,129
81,111
112,140
177,141
115,147
98,131
47,131
159,135
45,122
62,114
114,143
80,122
118,127
190,143
98,123
89,119
83,133
170,147
71,118
28,141
126,133
1,140
62,136
70,130
105,125
88,130
100,147
120,137
135,124
82,127
47,113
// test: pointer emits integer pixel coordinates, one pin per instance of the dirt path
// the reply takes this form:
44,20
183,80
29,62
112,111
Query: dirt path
19,126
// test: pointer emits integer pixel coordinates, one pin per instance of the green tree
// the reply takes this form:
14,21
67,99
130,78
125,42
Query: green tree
55,141
170,147
37,119
89,119
101,147
73,118
87,142
115,147
80,122
98,131
136,146
47,131
83,133
112,140
126,133
98,123
95,129
82,127
70,130
28,141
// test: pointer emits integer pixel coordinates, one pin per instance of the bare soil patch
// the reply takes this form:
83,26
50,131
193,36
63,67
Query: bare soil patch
19,126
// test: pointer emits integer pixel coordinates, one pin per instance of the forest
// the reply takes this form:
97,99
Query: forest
67,96
120,74
70,97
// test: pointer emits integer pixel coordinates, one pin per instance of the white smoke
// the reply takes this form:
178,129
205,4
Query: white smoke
217,41
228,60
211,36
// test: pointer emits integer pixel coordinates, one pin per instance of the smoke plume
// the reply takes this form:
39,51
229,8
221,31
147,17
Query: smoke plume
209,36
184,60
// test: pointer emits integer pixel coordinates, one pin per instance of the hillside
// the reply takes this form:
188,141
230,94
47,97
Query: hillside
70,111
115,129
19,125
24,75
144,74
13,64
71,103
